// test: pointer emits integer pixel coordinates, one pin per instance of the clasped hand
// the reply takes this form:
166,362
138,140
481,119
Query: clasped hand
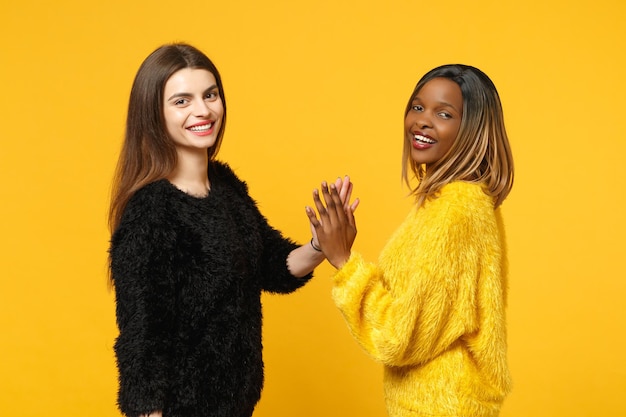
335,229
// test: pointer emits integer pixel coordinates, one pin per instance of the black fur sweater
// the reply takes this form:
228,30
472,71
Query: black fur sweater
188,275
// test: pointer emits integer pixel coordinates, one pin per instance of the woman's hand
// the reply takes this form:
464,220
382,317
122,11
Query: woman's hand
344,185
345,193
336,228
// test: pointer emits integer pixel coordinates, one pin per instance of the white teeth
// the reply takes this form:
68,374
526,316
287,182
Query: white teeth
202,128
423,139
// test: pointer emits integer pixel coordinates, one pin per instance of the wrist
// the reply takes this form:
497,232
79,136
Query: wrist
339,261
315,246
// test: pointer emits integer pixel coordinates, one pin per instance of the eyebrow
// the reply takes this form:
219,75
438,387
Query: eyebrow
441,103
445,103
183,94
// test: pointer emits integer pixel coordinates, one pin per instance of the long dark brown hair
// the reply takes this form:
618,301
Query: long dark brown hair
148,154
481,152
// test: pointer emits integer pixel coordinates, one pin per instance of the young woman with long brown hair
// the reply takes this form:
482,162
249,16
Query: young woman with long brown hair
190,252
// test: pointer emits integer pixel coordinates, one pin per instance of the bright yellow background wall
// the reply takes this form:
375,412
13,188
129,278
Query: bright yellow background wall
316,89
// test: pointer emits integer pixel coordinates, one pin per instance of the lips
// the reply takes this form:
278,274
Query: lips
201,127
424,139
421,142
205,128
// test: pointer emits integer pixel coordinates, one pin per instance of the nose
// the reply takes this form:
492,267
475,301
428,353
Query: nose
201,108
422,120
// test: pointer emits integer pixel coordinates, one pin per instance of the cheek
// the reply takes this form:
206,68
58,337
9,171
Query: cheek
455,132
172,122
450,139
170,117
452,130
408,122
218,109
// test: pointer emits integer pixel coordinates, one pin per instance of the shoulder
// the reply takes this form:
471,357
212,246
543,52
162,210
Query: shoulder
150,222
462,192
460,205
221,172
462,196
148,203
152,211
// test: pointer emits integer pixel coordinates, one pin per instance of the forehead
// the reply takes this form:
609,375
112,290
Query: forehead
189,80
441,90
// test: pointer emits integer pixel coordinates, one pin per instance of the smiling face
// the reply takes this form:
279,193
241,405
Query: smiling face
192,109
433,120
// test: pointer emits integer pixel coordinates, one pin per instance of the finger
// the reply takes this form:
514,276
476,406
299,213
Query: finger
348,196
339,183
350,217
343,187
349,214
345,192
312,217
336,211
321,209
336,199
354,205
331,202
314,235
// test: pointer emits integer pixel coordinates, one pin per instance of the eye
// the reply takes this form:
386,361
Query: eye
445,115
212,95
180,102
417,107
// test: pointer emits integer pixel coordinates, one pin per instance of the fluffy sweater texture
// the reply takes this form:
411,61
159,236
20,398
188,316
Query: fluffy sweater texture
188,275
432,310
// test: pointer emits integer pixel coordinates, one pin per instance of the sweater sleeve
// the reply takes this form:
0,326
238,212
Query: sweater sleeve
276,276
141,256
274,247
421,298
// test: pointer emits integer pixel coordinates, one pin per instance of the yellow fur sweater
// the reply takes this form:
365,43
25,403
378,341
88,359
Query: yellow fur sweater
433,310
